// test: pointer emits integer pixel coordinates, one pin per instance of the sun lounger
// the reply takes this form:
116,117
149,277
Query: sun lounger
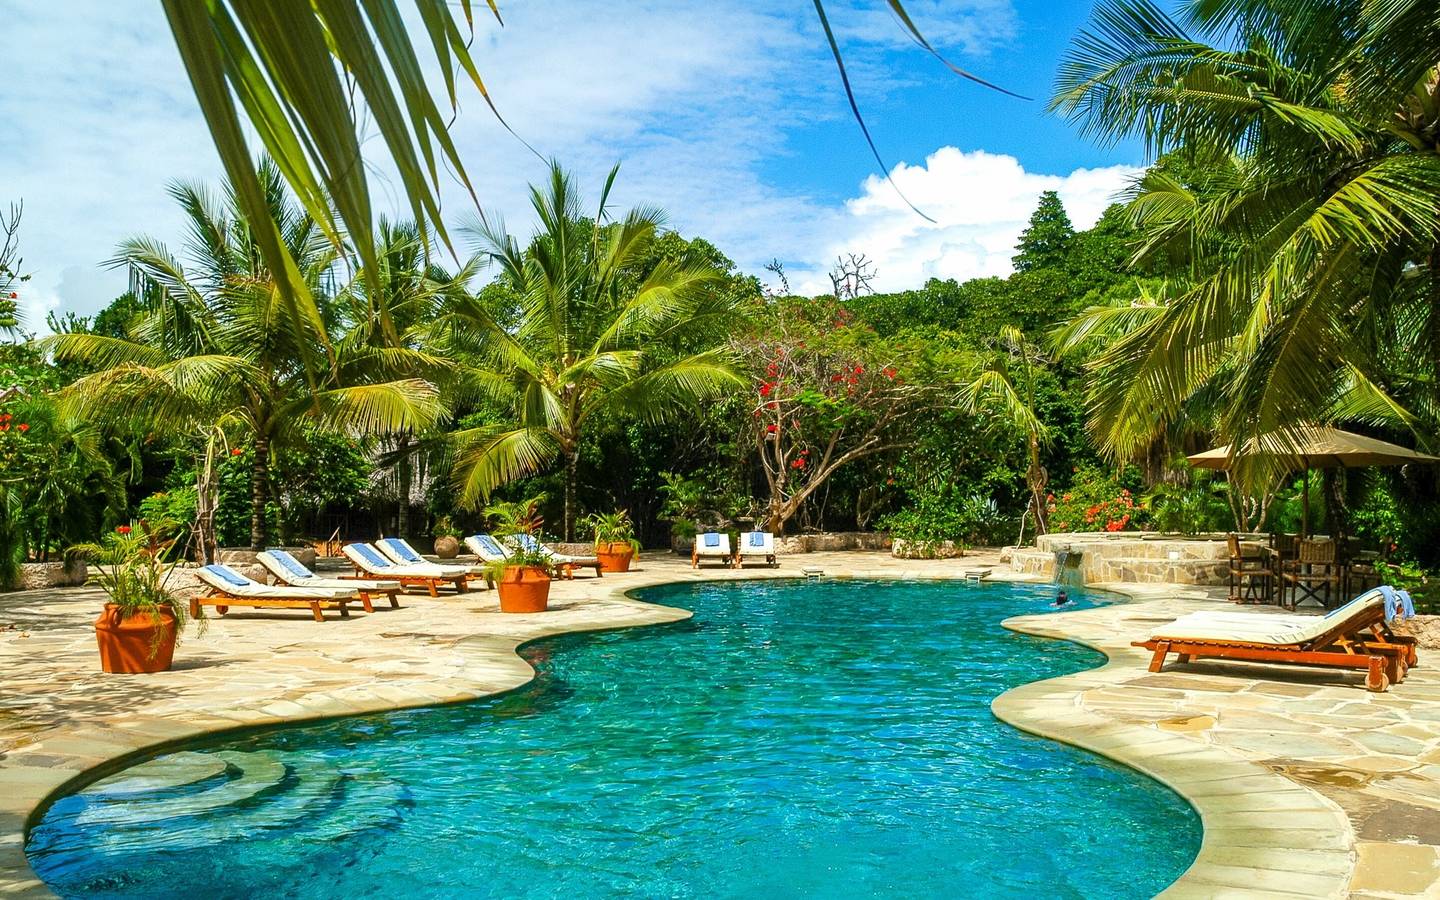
755,544
712,545
369,563
289,570
562,563
399,551
1355,636
229,588
486,548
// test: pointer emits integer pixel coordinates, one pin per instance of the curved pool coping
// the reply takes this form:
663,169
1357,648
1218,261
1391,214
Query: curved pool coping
1227,791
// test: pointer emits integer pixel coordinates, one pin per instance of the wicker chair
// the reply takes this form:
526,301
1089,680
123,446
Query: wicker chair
1314,569
1252,578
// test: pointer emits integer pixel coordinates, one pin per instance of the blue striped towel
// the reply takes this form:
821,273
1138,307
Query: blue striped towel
712,539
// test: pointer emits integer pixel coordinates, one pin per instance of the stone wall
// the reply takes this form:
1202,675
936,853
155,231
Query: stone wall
34,576
901,549
1140,557
238,556
822,542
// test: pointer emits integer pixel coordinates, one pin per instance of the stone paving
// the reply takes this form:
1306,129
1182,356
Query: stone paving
1307,784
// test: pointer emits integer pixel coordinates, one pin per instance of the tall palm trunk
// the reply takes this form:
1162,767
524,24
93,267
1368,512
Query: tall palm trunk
259,490
404,474
572,468
1037,477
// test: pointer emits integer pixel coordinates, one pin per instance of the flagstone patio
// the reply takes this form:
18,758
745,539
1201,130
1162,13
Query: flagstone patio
1307,784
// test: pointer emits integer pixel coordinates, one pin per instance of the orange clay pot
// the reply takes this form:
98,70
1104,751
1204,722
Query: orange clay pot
126,644
524,589
615,556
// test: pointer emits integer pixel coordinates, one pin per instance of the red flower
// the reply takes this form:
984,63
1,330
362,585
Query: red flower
236,451
859,370
765,388
123,529
772,405
889,372
14,296
5,417
771,370
770,429
798,463
837,377
23,427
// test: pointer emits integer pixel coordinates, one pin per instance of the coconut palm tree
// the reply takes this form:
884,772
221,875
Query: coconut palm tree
594,334
216,346
1298,203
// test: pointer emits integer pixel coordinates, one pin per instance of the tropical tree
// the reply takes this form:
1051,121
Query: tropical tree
216,350
826,394
1005,388
590,333
1297,202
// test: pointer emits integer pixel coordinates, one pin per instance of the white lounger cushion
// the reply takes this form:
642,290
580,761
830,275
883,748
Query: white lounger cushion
380,567
399,551
748,547
289,570
486,547
720,548
228,581
1266,629
528,542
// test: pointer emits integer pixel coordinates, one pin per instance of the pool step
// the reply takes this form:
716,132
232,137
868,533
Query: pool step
172,773
263,794
254,773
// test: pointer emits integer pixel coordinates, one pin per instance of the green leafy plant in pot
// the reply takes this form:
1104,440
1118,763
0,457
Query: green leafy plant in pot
522,578
142,620
615,543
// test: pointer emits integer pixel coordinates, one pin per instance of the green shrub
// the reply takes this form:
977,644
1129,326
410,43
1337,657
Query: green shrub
1095,501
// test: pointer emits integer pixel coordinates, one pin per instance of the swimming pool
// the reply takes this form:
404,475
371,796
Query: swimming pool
823,738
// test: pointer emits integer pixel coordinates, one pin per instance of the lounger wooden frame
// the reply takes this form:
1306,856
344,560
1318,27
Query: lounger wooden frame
1362,641
222,601
461,583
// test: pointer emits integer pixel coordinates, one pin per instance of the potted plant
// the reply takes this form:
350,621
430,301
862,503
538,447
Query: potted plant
615,543
523,577
137,630
447,538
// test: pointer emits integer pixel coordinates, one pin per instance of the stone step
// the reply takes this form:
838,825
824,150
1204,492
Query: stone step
254,773
171,773
309,790
370,801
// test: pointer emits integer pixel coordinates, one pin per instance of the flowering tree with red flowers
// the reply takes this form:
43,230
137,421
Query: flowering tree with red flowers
825,392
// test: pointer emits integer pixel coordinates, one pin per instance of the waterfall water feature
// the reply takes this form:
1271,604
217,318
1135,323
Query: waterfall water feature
1067,567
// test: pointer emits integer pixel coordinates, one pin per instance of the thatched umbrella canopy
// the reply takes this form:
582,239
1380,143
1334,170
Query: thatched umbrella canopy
1313,448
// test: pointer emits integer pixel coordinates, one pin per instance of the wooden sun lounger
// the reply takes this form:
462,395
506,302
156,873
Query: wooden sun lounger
222,602
430,583
222,597
1361,640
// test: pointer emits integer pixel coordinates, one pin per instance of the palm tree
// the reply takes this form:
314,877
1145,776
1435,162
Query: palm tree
595,334
1004,387
216,347
1298,201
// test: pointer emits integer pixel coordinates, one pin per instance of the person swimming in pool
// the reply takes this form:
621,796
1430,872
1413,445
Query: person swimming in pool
1062,598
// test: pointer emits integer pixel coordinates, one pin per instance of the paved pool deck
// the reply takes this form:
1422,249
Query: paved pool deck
1307,784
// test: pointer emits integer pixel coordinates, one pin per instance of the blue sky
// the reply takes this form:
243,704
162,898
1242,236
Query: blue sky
727,113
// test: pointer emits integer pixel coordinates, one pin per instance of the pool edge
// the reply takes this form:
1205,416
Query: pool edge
1207,777
1032,707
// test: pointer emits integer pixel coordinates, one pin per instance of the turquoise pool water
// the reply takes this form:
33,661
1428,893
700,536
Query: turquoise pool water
795,739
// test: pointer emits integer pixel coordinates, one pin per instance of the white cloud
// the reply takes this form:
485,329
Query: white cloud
694,97
980,203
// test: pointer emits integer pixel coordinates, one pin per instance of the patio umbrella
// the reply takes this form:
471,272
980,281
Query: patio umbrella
1317,448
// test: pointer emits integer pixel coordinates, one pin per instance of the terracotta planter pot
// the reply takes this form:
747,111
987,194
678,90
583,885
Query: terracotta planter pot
125,644
615,556
447,547
524,589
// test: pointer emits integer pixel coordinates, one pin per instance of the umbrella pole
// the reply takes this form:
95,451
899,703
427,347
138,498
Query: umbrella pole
1305,504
